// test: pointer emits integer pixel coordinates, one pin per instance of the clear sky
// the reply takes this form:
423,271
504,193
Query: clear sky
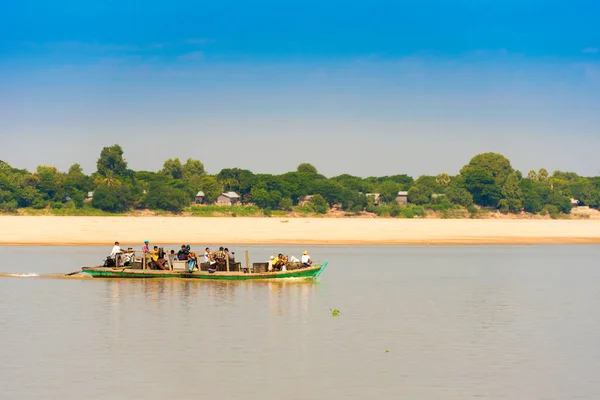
366,88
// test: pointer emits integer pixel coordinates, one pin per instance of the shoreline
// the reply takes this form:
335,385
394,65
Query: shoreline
103,231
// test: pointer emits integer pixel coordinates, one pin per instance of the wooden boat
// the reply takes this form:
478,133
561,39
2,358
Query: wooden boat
312,272
230,271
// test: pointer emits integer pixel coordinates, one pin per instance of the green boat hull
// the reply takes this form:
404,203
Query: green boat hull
302,273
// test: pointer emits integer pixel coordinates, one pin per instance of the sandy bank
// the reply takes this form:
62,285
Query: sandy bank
23,230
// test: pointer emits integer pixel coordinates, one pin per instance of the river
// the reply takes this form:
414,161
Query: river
415,322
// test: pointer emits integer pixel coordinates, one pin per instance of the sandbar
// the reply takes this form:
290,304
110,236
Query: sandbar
103,231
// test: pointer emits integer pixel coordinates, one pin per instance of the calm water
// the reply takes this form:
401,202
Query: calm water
416,323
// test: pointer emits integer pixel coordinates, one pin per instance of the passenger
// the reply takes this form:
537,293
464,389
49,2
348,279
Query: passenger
158,257
129,257
306,261
192,258
270,266
146,253
218,257
172,257
183,254
206,255
230,255
279,261
116,253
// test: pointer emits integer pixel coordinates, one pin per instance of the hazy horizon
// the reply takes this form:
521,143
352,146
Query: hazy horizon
370,90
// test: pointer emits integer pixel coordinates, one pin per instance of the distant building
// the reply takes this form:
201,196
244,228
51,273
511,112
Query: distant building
575,202
374,196
402,198
228,199
199,199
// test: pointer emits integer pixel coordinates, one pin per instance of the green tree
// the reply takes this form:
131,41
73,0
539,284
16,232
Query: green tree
542,175
331,191
306,168
561,202
115,198
260,197
173,168
111,162
512,197
422,189
532,195
388,190
419,195
484,177
319,204
585,191
274,199
532,176
286,204
51,183
496,164
210,187
459,195
76,180
193,168
164,197
238,180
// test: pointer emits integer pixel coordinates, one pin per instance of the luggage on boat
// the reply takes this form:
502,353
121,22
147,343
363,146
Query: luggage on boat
109,262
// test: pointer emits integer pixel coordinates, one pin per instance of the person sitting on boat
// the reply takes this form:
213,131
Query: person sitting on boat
207,255
146,252
306,261
128,257
192,257
158,259
183,254
230,255
280,261
219,257
172,256
116,253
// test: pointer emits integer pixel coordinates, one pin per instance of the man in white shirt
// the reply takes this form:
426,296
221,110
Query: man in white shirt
306,261
116,253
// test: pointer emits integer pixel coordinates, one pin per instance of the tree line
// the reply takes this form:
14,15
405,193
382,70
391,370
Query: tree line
487,181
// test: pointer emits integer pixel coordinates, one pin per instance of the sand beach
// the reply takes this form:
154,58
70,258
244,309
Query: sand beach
102,231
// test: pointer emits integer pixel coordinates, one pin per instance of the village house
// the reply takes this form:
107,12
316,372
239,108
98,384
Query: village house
574,202
228,199
402,198
199,199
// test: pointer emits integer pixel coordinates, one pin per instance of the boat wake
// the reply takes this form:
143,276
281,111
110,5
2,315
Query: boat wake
47,276
26,275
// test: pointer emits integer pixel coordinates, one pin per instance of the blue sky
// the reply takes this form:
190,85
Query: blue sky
371,88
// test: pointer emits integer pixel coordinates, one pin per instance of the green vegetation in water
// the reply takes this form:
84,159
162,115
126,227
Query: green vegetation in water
387,351
334,312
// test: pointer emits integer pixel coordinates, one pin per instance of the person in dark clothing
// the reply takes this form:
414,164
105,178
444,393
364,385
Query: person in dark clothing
183,254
